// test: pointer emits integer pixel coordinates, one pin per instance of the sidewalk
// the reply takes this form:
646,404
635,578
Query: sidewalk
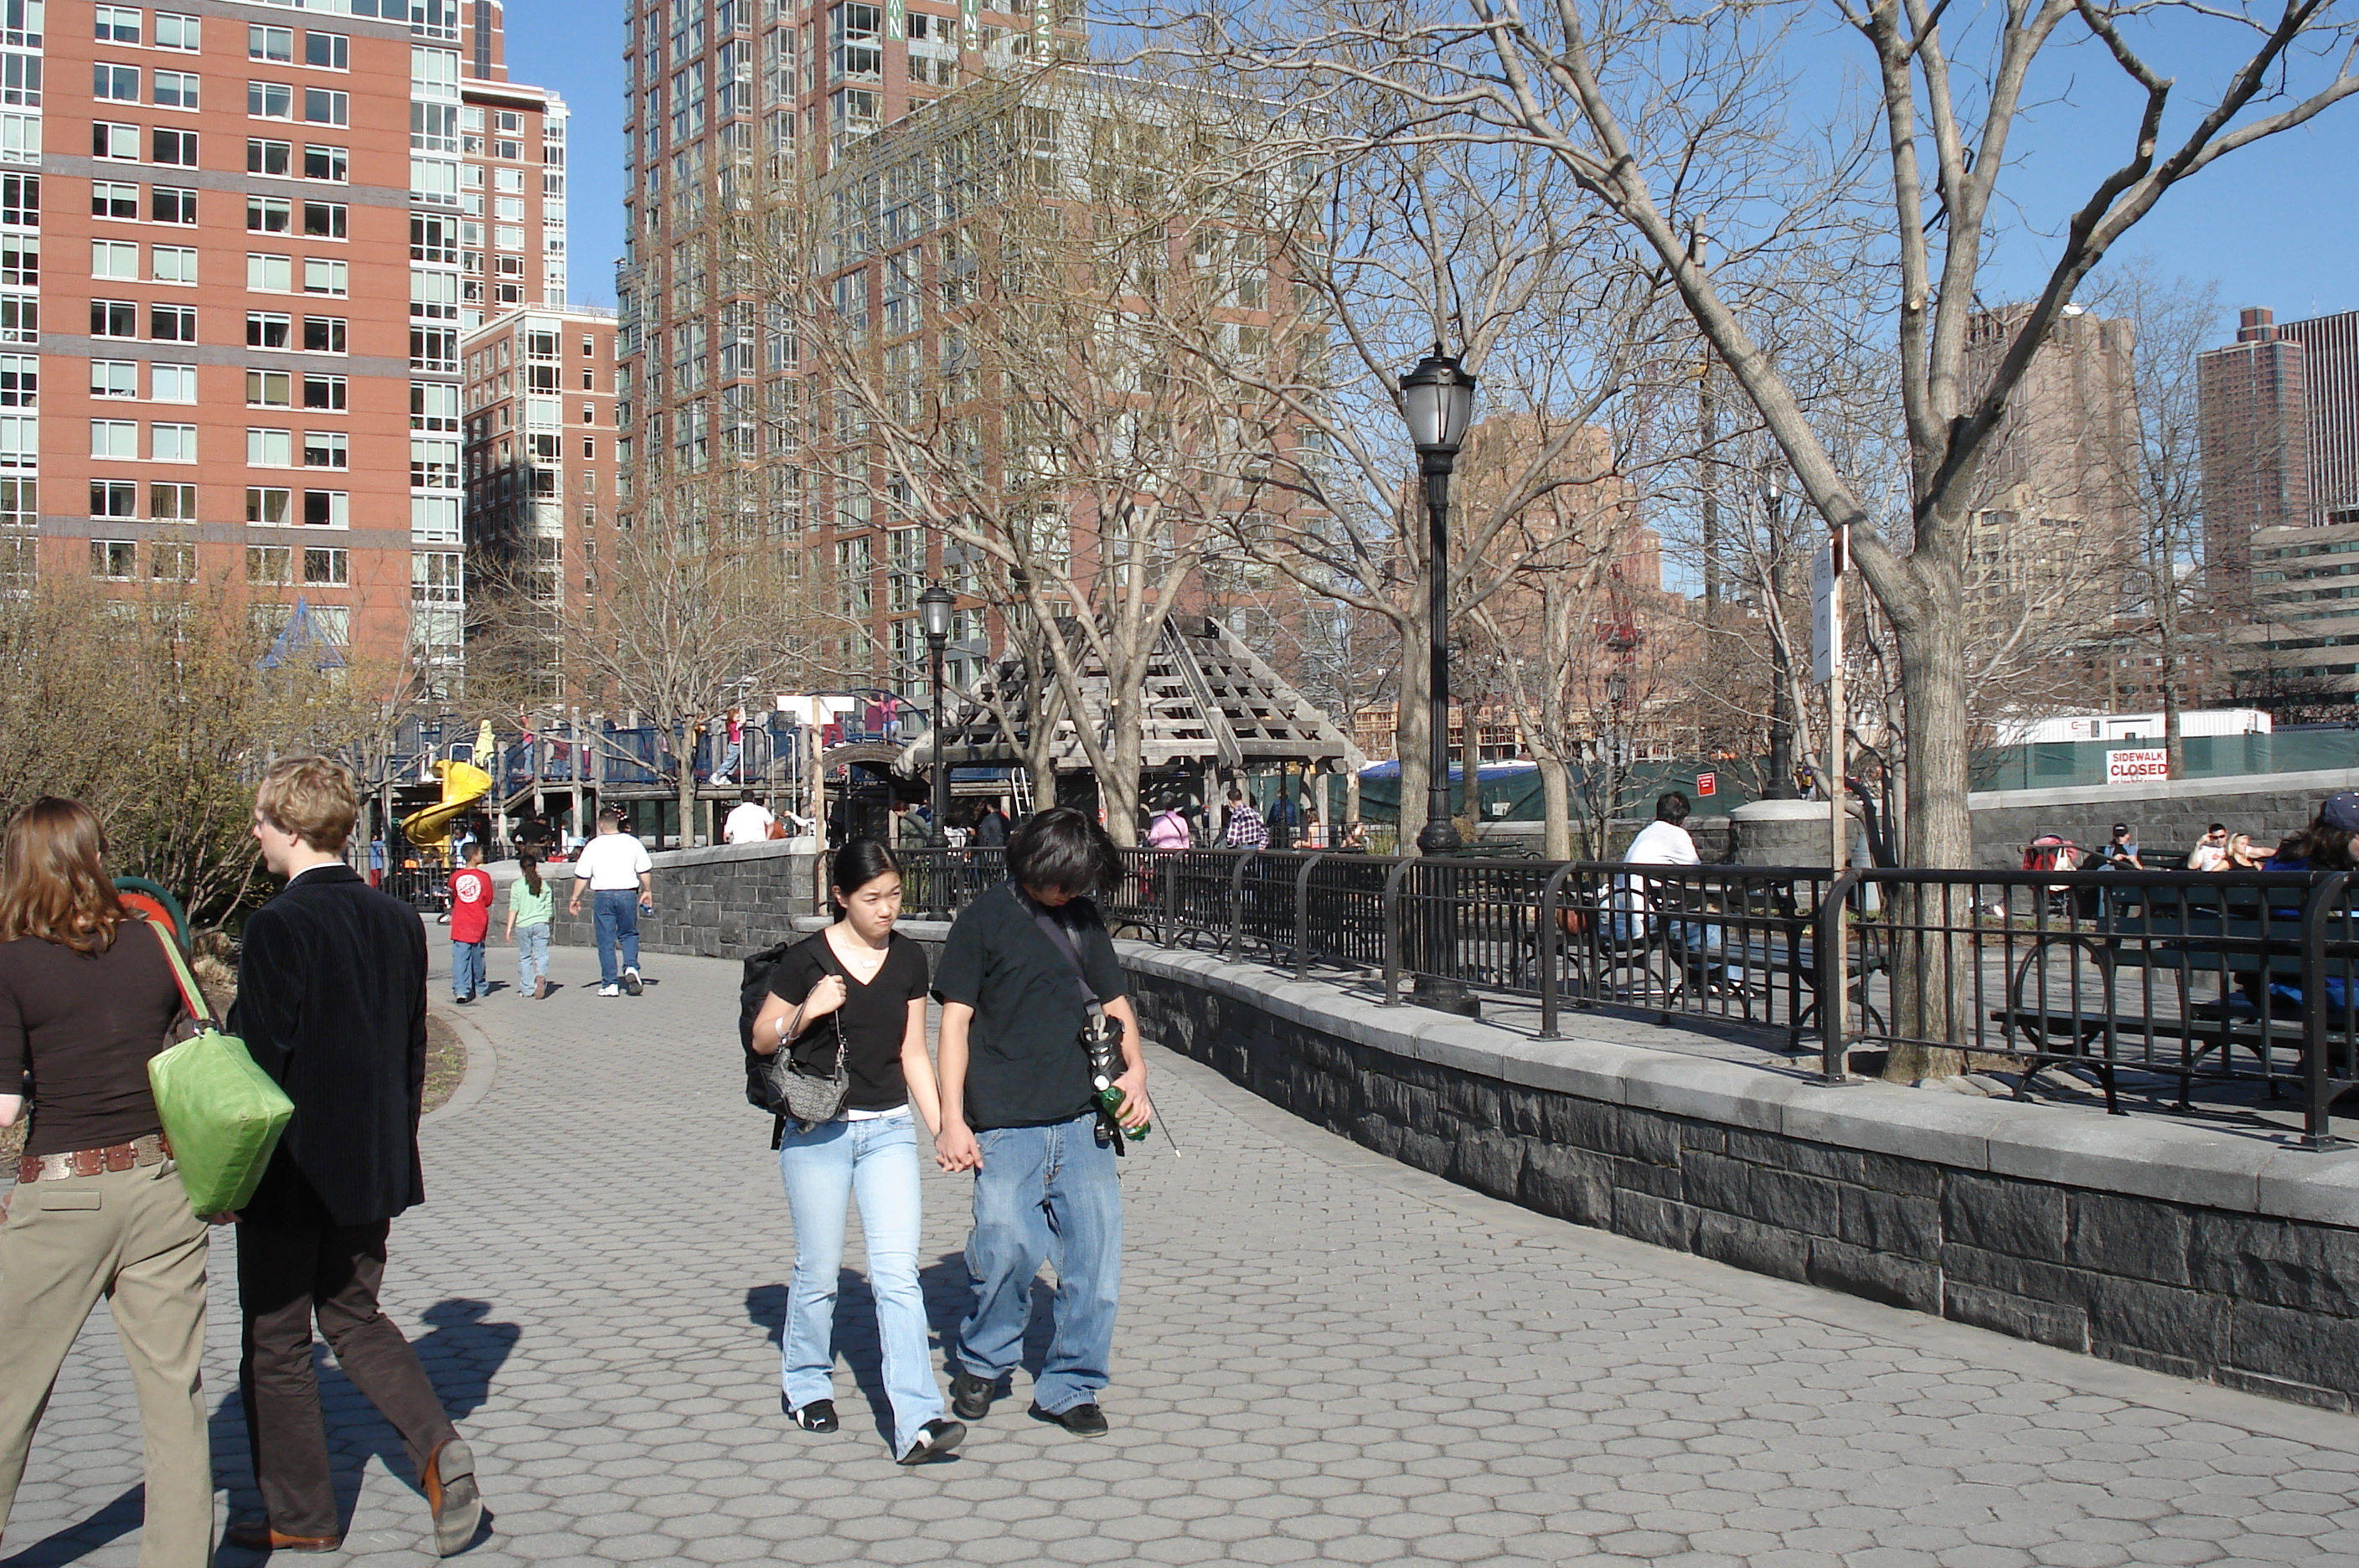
1322,1356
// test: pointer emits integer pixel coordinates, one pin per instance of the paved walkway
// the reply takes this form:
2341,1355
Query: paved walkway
1322,1357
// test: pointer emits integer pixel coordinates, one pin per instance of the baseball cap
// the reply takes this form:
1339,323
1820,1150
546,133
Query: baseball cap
2120,827
2342,810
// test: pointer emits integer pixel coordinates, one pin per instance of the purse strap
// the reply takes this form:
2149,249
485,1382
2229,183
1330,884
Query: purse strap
191,997
830,964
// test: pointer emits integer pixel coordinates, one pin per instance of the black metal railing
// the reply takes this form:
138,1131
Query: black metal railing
2182,978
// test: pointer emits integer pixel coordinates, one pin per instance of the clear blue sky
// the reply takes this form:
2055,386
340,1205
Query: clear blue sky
2276,224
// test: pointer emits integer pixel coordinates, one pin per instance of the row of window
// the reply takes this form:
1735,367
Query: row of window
268,565
120,25
117,141
120,84
278,100
109,260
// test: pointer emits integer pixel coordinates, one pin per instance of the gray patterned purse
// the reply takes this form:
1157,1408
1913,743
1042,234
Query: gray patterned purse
810,1099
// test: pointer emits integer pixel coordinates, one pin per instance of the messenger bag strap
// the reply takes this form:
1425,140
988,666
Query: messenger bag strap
190,997
1062,940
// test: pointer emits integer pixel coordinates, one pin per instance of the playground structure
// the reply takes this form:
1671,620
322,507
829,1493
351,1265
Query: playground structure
463,784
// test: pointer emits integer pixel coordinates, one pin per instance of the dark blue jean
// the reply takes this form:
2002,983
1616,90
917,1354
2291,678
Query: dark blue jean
617,920
1045,1194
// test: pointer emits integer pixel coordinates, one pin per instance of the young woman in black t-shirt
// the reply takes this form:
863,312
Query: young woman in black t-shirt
861,984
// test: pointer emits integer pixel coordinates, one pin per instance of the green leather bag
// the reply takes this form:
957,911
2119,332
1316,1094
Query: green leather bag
221,1114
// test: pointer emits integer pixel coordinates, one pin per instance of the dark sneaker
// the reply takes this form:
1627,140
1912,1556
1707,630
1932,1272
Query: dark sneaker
970,1396
817,1416
631,981
935,1439
1081,1421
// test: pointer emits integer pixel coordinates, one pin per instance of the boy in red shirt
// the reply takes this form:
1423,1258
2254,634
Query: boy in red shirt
470,922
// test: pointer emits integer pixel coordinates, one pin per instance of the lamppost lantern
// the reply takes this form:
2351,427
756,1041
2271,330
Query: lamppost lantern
1438,401
934,607
1438,404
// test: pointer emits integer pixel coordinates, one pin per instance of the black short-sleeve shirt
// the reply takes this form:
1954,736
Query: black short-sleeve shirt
875,1020
84,1026
1025,1066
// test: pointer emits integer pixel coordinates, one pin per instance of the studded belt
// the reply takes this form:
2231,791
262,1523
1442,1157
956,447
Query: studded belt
151,1150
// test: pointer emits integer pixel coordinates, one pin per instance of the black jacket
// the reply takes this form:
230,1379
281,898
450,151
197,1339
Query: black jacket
332,1002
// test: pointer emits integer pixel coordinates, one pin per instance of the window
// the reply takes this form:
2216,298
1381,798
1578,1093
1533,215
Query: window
20,199
588,414
268,215
330,163
590,449
267,157
326,568
113,318
173,562
325,277
324,106
267,564
115,437
323,335
270,274
172,502
172,383
852,34
112,258
113,140
176,89
115,84
273,44
114,498
115,378
265,329
21,381
269,390
172,443
20,85
324,391
327,509
270,100
270,449
324,449
172,264
332,51
324,219
510,180
117,25
178,149
115,559
266,505
20,322
171,205
111,200
175,32
172,323
20,261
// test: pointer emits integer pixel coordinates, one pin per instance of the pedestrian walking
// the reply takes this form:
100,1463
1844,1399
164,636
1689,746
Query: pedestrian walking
470,924
331,1003
991,827
86,997
530,909
855,994
1245,829
749,821
620,876
1022,965
1168,830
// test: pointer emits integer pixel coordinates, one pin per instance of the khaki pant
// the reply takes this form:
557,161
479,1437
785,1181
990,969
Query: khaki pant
127,1235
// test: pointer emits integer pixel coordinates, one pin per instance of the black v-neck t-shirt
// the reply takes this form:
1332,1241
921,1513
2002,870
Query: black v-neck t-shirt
875,1018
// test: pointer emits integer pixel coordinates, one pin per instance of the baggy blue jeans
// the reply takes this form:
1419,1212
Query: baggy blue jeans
617,920
1046,1193
532,954
876,1161
467,970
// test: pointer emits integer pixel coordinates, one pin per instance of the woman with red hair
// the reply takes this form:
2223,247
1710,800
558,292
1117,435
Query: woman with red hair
86,997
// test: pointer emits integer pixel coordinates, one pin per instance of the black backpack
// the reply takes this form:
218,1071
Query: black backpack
752,991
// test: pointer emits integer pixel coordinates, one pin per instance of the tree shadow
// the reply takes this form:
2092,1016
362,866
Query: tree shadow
74,1541
462,1354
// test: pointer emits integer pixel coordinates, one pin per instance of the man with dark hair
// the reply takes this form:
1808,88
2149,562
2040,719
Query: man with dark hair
1020,971
332,1002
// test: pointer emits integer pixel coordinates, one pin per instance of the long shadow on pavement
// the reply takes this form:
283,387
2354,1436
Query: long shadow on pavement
73,1542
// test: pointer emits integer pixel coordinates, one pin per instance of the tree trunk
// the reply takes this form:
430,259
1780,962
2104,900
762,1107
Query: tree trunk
1556,805
687,757
2174,744
1931,987
1118,795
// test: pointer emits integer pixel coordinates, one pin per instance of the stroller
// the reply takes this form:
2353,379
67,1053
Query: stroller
2053,852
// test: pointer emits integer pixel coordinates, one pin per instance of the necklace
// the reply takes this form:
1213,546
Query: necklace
862,962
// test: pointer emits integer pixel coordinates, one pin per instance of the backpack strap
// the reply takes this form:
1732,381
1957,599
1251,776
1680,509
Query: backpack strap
190,997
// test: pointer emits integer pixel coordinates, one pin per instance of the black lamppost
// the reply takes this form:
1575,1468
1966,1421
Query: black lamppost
934,607
1438,402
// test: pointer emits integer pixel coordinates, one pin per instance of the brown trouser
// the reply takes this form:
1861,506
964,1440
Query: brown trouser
127,1235
285,1275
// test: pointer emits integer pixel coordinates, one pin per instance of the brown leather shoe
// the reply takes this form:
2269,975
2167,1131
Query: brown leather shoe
256,1535
450,1492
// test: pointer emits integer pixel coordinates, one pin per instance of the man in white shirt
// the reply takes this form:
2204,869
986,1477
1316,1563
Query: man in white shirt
620,878
749,822
1663,842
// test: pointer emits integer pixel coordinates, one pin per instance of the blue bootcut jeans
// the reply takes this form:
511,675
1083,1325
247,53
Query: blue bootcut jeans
617,920
1046,1193
532,954
467,970
876,1161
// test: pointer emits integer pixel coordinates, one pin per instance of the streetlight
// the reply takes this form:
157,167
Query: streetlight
934,607
1438,403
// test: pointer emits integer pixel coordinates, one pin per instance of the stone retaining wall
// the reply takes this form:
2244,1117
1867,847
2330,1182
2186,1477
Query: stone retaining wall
2211,1257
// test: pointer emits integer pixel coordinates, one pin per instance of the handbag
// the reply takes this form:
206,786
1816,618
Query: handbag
810,1099
222,1114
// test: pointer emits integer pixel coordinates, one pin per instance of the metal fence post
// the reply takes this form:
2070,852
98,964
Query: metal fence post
2318,1084
1168,891
1392,932
1302,913
1236,895
1828,936
1547,947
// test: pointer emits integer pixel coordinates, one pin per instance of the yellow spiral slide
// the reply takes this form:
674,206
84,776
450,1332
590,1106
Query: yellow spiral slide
463,784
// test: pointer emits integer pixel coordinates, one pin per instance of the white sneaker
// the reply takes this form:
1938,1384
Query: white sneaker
609,990
631,980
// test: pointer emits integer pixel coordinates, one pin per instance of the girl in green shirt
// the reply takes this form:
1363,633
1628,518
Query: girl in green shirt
529,901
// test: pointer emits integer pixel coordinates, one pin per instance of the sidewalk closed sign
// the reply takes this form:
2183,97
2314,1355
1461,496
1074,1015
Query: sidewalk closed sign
2137,767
